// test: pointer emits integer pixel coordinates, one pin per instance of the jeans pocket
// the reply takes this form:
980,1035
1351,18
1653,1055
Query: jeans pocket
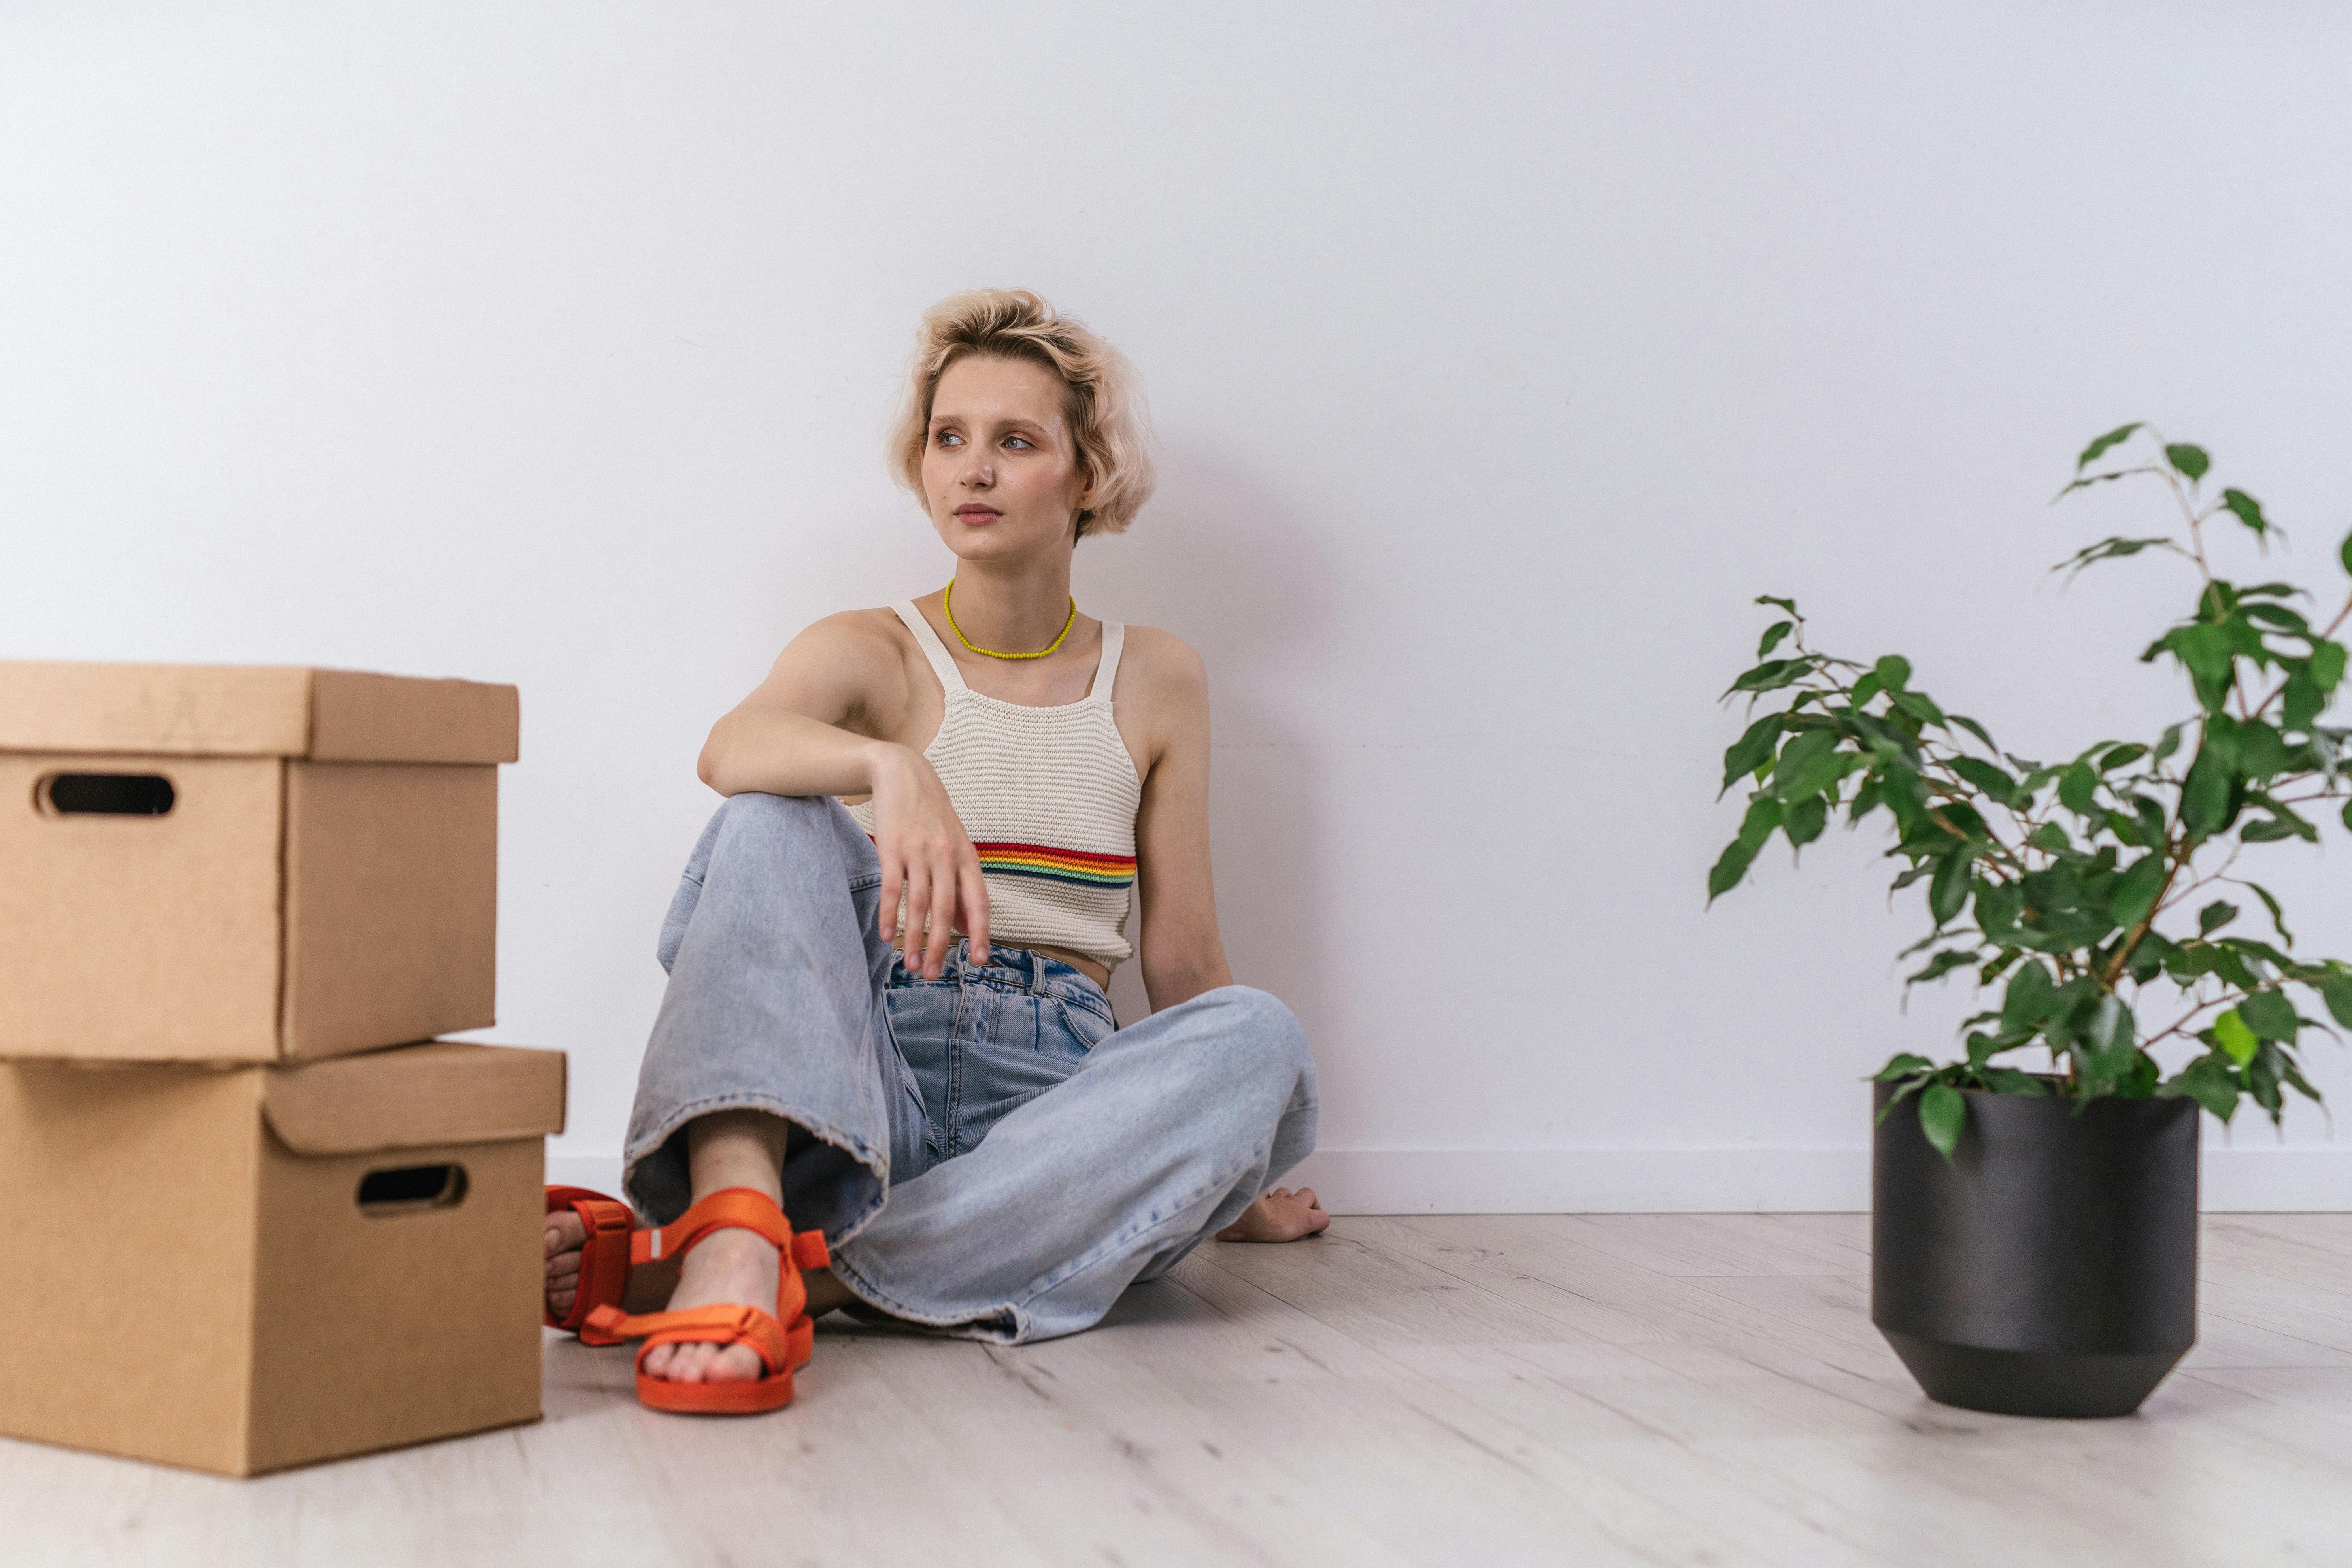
1084,1028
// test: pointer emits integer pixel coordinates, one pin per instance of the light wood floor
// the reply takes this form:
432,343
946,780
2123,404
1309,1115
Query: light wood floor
1658,1389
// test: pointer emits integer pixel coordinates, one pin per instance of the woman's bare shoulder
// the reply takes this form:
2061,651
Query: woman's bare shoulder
1164,659
1162,681
849,663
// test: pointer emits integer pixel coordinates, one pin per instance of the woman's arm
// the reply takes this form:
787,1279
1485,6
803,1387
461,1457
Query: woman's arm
1182,955
822,724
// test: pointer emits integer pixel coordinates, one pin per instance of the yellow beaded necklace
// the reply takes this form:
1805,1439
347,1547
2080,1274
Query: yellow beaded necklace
947,603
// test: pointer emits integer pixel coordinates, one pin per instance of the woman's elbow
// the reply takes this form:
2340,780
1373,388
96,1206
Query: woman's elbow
709,766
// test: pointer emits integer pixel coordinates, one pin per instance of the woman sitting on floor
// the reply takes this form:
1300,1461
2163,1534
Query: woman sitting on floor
887,1017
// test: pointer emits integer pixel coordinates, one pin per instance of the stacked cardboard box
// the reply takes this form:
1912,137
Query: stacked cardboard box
251,1223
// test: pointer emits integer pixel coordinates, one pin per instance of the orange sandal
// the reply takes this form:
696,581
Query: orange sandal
783,1341
604,1255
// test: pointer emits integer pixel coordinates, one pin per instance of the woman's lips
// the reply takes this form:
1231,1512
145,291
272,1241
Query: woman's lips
977,514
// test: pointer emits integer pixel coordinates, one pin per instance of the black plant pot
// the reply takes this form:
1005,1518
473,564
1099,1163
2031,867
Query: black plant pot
2050,1268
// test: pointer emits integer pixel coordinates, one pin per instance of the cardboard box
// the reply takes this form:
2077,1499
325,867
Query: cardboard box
212,864
243,1268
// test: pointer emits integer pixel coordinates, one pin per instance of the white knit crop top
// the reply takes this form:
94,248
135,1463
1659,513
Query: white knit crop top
1049,796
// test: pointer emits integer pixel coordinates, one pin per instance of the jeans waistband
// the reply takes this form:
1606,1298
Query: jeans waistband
1020,966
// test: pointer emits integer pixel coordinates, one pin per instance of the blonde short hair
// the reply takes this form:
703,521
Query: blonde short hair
1103,402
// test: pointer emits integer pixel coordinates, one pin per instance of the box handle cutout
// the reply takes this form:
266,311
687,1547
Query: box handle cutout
106,794
411,1189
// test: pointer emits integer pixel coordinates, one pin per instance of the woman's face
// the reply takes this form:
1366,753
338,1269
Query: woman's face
1001,475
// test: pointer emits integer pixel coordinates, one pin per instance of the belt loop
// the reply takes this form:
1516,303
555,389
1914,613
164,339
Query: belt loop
1036,973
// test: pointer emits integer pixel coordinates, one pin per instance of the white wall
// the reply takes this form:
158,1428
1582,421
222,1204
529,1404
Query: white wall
1501,354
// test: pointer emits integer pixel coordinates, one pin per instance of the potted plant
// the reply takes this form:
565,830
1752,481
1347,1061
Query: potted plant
2034,1222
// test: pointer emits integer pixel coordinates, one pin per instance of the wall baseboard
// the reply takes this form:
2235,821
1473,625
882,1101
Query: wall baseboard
1677,1181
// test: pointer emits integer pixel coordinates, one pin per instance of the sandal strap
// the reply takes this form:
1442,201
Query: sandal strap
719,1325
729,1208
603,1252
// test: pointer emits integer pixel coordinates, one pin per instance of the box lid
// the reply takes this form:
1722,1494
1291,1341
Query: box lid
266,710
416,1096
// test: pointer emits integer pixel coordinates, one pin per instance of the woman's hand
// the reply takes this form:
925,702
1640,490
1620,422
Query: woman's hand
926,851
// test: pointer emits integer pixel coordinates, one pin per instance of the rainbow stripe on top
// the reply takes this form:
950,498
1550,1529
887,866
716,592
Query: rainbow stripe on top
1076,867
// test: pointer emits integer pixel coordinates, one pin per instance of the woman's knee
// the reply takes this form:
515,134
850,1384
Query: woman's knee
769,825
1266,1035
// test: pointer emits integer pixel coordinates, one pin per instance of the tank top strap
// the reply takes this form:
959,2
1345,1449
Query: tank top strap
933,650
1107,671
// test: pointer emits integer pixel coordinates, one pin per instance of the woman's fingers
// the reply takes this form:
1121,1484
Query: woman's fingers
943,913
918,909
975,906
894,880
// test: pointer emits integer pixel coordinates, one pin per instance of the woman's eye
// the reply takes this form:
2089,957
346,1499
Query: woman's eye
1017,441
950,438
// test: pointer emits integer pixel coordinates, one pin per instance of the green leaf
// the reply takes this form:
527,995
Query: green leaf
1948,893
2206,1080
2327,666
1807,765
2050,839
1894,671
2115,437
2261,752
1763,816
2277,616
1973,727
2115,548
1771,675
1941,1113
2113,1036
1788,604
1805,820
1943,963
1868,687
1752,750
2337,992
2136,890
2271,829
2345,554
1919,705
2304,702
2121,756
2203,649
2278,920
2074,788
2231,1034
2169,744
1772,635
2012,1080
1729,868
2270,1016
2214,916
2205,794
2187,459
2027,1001
1985,777
1902,1065
2248,509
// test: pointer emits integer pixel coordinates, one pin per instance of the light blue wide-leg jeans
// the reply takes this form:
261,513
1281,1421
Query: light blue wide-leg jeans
983,1152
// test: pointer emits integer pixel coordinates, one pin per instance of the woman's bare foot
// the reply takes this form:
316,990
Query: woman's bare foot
1281,1215
726,1268
564,1237
743,1262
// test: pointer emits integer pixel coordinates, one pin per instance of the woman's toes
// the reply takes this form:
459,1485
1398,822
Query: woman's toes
564,1233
